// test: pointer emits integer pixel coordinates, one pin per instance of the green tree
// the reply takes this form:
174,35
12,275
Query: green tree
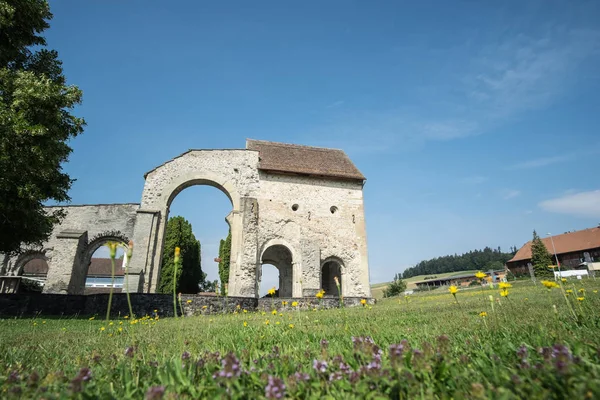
395,288
189,276
540,257
224,261
36,125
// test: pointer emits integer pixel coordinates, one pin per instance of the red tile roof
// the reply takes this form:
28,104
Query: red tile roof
565,243
102,267
292,158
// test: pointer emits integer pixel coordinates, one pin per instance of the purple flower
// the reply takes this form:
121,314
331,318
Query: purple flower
522,352
335,376
345,368
275,388
324,344
396,352
84,375
186,355
230,367
302,376
129,351
155,393
320,366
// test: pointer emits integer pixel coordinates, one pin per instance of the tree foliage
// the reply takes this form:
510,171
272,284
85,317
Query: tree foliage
224,261
36,125
540,257
395,288
190,276
484,260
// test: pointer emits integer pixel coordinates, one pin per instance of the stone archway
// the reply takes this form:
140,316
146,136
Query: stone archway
331,268
231,171
281,257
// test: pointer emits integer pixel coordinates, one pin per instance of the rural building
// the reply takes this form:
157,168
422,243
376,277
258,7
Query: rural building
459,280
578,249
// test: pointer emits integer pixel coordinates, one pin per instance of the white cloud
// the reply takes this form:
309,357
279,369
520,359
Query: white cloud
582,204
511,194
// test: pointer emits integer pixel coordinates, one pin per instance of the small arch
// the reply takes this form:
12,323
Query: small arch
281,255
331,268
97,271
32,264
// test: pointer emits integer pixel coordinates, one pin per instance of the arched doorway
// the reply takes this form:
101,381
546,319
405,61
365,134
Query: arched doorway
33,266
331,269
279,256
96,264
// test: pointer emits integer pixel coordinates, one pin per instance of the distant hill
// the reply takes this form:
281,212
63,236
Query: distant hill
478,260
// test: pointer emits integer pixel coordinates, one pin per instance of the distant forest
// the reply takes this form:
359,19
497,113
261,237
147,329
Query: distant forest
482,260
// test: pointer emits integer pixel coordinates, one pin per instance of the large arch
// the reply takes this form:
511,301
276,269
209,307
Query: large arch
331,268
281,254
231,171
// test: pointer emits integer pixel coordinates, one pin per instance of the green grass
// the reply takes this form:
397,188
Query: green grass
460,354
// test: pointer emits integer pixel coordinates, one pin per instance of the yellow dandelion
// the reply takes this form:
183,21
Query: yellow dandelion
91,318
320,294
363,301
271,291
43,322
127,316
245,323
274,312
480,275
453,289
504,293
291,326
580,298
483,314
102,329
294,304
245,311
277,323
582,290
563,279
204,307
569,291
120,329
267,322
549,284
189,302
284,303
595,291
35,324
504,285
155,311
110,323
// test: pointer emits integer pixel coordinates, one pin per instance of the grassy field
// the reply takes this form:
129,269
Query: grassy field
535,343
378,288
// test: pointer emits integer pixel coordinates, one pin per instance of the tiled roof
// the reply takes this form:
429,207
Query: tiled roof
566,243
292,158
102,267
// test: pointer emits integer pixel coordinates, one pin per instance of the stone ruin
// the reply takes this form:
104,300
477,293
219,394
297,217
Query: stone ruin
298,208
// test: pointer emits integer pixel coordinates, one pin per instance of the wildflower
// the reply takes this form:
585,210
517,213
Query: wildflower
595,291
580,298
277,323
284,303
291,326
582,290
230,367
483,314
320,366
155,393
189,302
550,284
267,322
177,255
120,329
274,312
480,275
320,294
155,311
245,324
112,249
127,316
238,306
204,307
275,388
569,291
271,291
504,285
91,318
129,351
504,293
43,322
563,280
294,304
363,301
324,344
245,311
453,290
102,329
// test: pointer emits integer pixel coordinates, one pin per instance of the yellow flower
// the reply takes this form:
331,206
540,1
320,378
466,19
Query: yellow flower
291,326
274,312
189,302
280,314
238,306
127,316
320,294
177,254
569,291
363,301
453,289
580,298
35,324
43,322
110,323
563,279
504,293
155,311
595,291
267,322
504,285
92,318
277,323
550,284
245,311
483,314
245,323
120,329
480,275
102,329
582,290
284,303
294,304
112,249
272,291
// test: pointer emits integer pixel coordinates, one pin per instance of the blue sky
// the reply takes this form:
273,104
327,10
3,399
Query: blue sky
474,122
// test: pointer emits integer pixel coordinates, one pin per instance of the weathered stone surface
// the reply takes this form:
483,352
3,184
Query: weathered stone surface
316,219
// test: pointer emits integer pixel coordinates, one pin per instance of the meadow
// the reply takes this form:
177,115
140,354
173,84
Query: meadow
534,343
